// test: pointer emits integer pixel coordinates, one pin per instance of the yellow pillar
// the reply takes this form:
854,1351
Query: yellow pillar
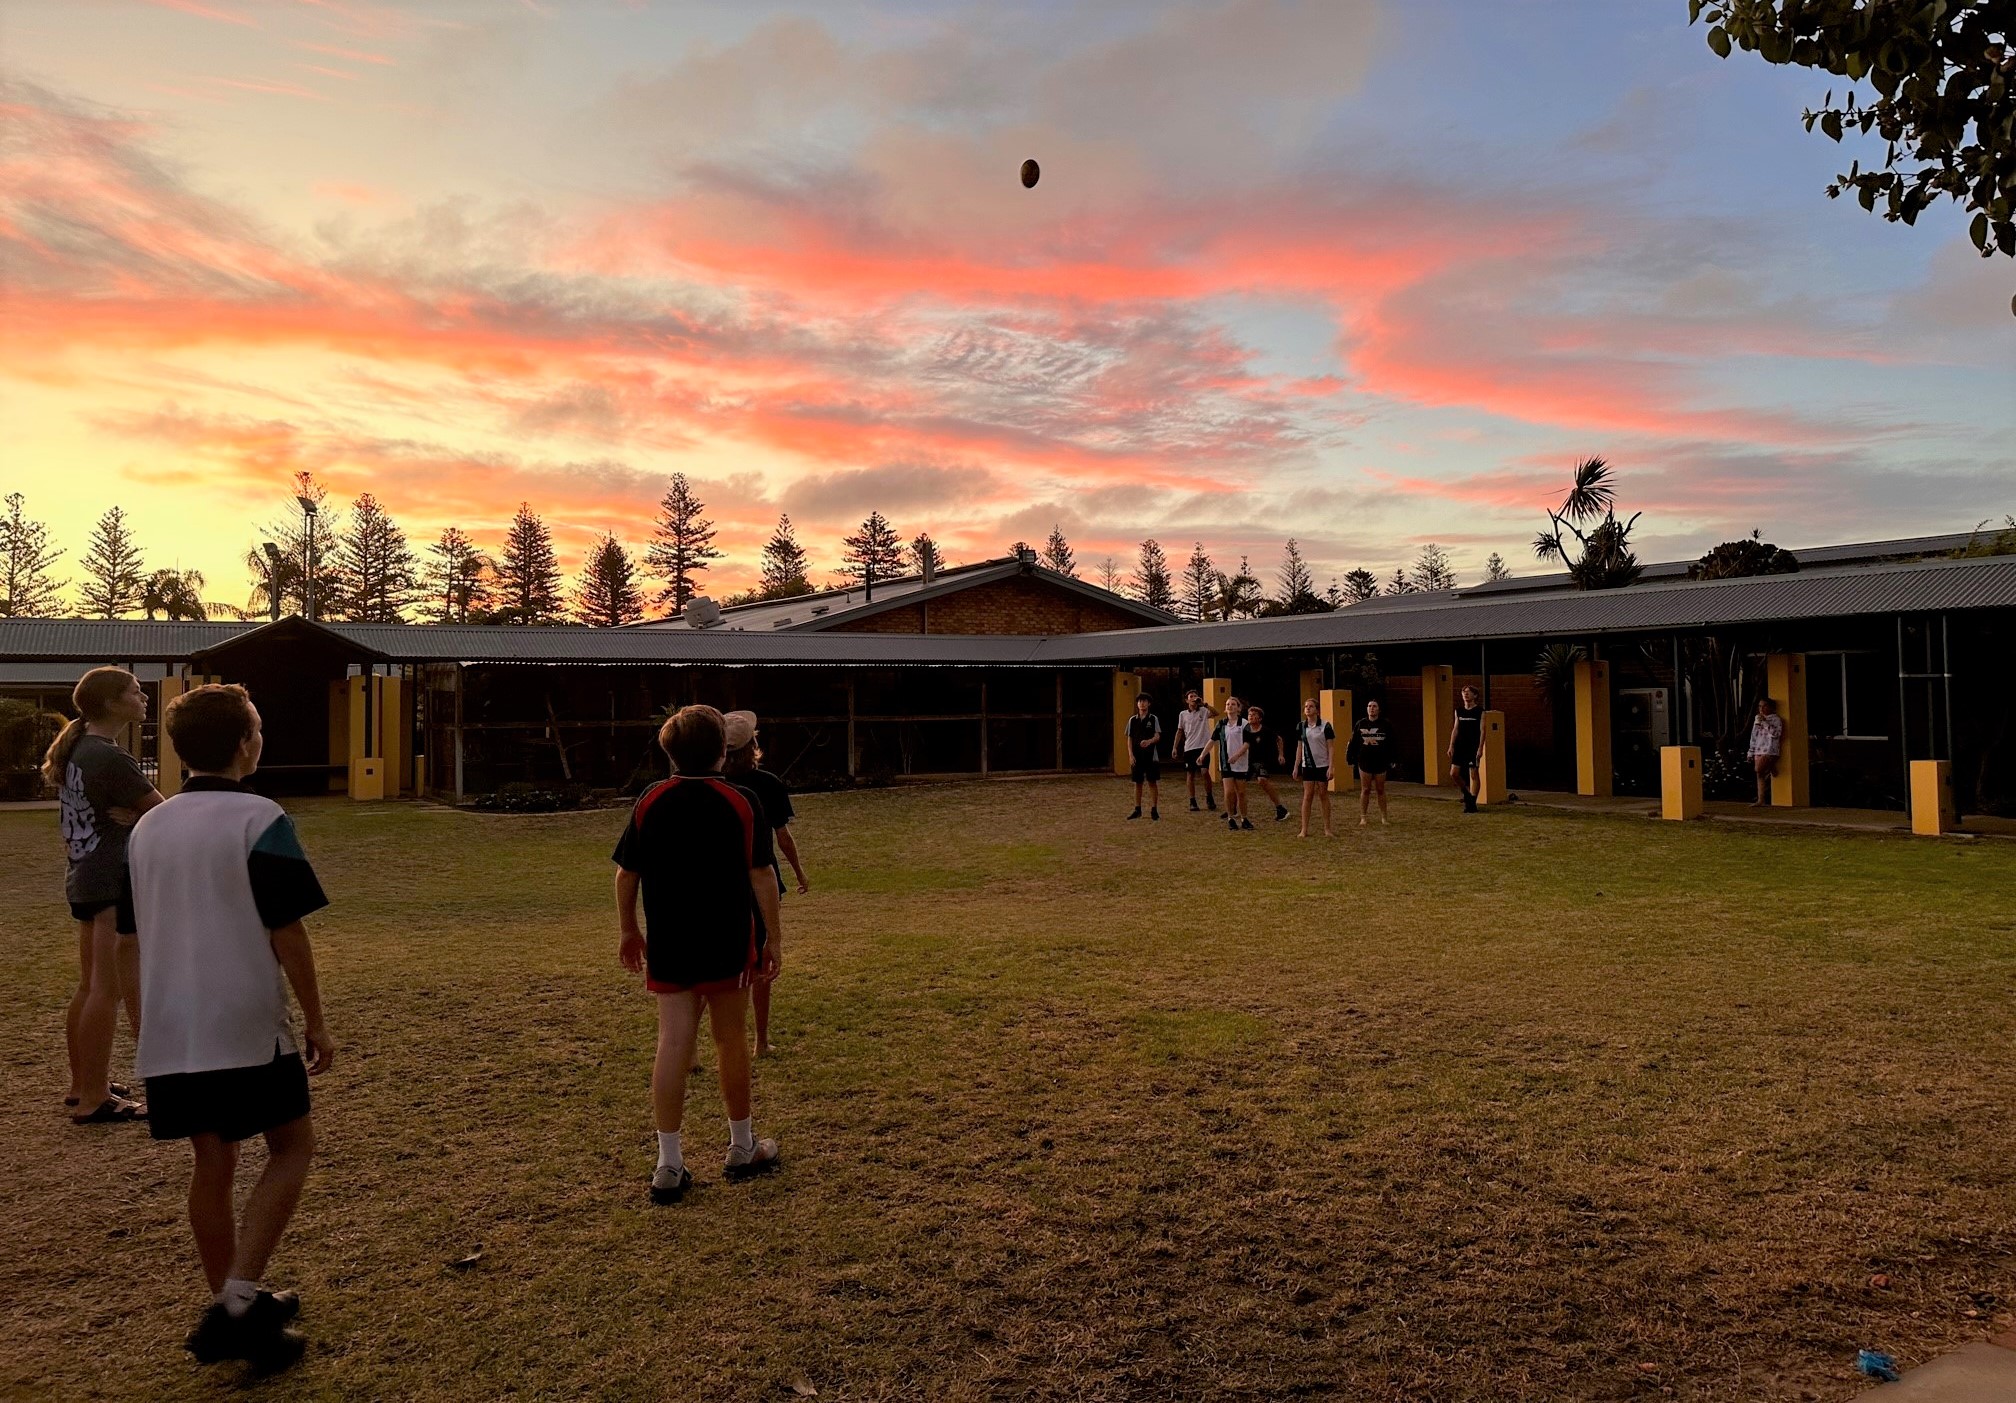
1679,782
1932,810
1312,690
1217,691
396,736
1126,687
1438,706
366,756
1491,786
1785,682
1337,711
168,770
1593,769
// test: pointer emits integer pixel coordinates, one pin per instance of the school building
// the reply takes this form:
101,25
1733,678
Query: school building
1879,655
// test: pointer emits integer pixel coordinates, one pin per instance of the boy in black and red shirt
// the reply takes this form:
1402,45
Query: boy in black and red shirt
698,850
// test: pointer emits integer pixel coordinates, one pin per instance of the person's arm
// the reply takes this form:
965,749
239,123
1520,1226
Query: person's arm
763,882
630,943
126,815
291,948
1454,726
790,847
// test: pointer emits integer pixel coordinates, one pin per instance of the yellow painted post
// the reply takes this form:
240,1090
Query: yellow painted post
1438,708
1932,811
366,778
168,765
1593,770
1679,782
1337,711
419,776
1217,691
396,736
1785,682
1491,785
1126,687
1312,690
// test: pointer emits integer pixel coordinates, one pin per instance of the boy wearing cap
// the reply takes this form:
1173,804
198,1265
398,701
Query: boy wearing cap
697,851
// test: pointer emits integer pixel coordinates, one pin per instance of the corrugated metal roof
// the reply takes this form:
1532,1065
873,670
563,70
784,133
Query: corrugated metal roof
1809,557
1909,587
110,640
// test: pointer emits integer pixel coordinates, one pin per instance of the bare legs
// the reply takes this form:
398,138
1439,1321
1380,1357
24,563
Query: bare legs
678,1027
93,1016
759,995
1367,786
241,1250
1764,765
1312,790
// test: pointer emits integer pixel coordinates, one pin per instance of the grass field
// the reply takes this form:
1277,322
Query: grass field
1496,1107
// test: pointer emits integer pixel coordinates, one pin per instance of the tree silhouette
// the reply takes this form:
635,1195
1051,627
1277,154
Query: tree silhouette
456,590
606,595
682,547
175,594
528,573
875,552
924,553
1496,569
27,590
1606,561
1200,584
785,564
1152,585
377,578
1432,570
1057,553
1360,585
114,574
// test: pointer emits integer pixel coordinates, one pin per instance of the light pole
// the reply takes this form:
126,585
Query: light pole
272,581
308,584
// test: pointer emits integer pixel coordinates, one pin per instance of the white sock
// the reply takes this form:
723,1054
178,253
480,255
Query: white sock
670,1155
237,1296
740,1136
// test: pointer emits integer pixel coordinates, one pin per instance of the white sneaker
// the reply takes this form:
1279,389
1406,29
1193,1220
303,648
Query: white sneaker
747,1164
669,1185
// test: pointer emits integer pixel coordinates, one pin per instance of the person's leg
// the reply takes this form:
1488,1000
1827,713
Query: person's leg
271,1203
727,1018
1757,764
99,1017
760,996
1308,800
73,1020
1382,798
210,1218
1364,797
1323,792
1154,794
678,1022
129,982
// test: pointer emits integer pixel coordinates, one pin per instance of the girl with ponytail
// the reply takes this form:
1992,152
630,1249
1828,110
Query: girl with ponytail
102,794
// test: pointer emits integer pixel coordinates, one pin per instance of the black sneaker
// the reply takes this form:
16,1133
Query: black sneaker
1247,824
1193,806
260,1336
1211,804
1154,815
1280,812
669,1185
1136,813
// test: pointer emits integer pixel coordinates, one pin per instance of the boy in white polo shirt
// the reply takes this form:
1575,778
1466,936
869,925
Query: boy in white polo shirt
220,885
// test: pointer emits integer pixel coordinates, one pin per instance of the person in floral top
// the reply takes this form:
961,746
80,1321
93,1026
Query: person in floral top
1767,738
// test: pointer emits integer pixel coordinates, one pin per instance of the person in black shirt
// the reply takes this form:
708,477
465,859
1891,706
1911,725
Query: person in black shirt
1144,740
1466,738
1266,750
745,756
698,850
1371,756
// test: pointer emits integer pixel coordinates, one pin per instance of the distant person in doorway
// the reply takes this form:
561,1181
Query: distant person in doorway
101,794
744,768
1229,735
1767,740
1312,764
1144,756
1371,755
1193,747
697,850
1264,753
1466,741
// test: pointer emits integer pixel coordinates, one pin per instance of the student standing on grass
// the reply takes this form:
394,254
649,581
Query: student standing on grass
101,794
221,885
1767,738
1312,764
745,756
1229,735
1144,745
1371,755
1264,749
1466,739
698,850
1193,743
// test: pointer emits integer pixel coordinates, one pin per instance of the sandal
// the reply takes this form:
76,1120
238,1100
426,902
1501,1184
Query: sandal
117,1088
112,1109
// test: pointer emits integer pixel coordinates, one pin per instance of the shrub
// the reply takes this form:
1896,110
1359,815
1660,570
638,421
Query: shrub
519,797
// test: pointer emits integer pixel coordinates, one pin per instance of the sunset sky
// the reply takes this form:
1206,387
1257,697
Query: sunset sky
1368,274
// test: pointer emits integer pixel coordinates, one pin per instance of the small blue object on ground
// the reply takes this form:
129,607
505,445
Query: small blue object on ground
1877,1365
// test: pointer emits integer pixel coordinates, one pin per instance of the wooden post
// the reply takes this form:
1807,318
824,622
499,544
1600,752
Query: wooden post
1679,782
1594,772
1438,705
168,765
1785,674
1126,687
1336,705
1491,785
1217,691
1932,811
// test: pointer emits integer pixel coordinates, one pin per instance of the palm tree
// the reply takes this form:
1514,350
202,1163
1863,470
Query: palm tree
176,593
1606,561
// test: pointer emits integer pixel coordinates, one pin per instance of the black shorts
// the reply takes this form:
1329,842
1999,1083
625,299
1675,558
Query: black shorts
1241,775
233,1104
1147,770
1364,773
126,925
1462,761
1255,770
1195,761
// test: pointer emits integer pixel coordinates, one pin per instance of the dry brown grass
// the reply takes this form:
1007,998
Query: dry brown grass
1499,1107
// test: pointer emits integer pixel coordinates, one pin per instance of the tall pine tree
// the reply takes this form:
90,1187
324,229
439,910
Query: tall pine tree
1151,582
377,578
606,595
1432,569
1298,585
1057,553
1400,584
682,547
1200,584
785,564
1360,585
1496,569
1239,596
875,552
1110,578
924,552
528,573
455,583
114,574
27,589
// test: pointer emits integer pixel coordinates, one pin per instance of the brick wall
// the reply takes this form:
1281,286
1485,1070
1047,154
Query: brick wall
1024,605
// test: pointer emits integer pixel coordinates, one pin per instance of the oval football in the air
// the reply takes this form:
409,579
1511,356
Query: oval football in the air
1031,173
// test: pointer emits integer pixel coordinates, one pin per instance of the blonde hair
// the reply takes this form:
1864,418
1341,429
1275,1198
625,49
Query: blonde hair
93,696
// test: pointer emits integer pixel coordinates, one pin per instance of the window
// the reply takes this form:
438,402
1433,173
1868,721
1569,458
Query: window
1845,696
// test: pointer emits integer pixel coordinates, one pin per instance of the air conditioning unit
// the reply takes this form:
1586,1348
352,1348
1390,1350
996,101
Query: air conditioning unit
702,612
821,608
784,622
